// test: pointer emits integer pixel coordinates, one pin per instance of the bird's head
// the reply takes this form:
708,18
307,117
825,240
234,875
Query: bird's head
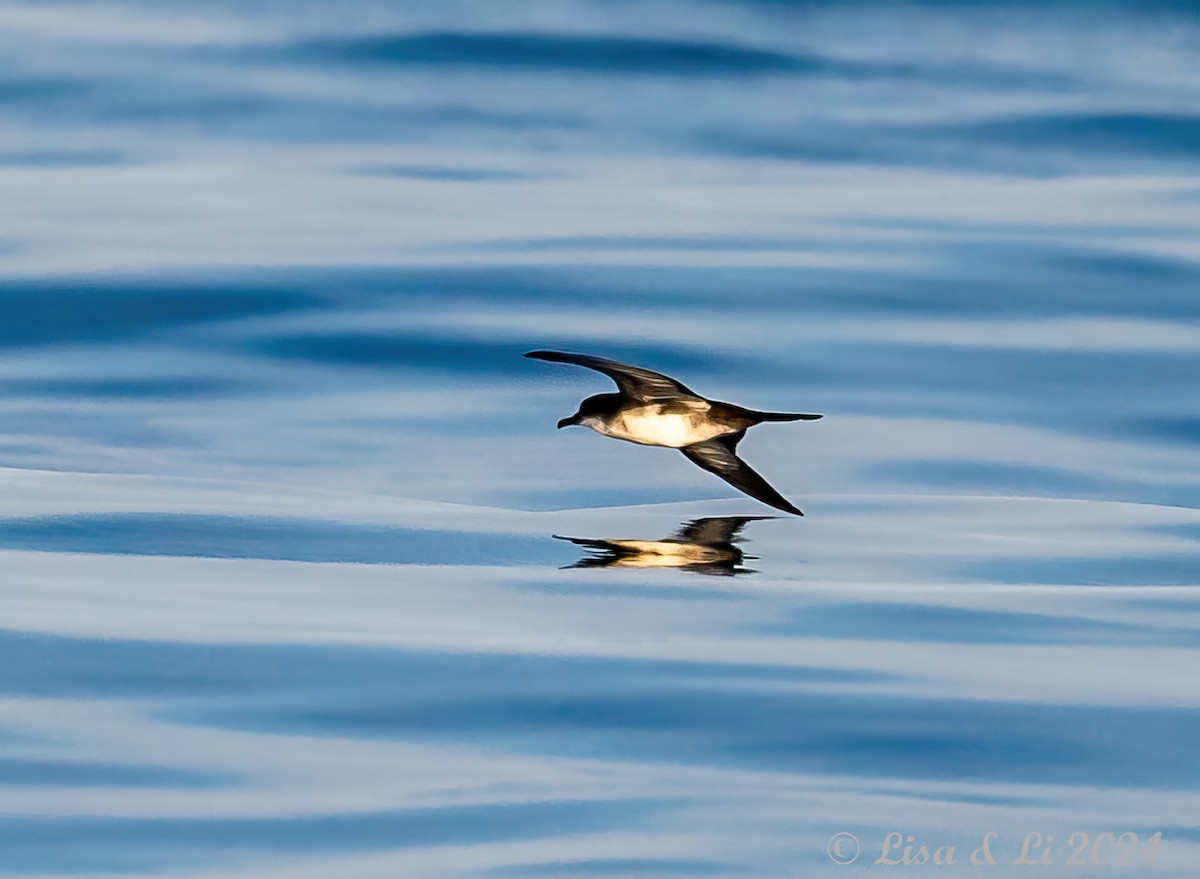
592,408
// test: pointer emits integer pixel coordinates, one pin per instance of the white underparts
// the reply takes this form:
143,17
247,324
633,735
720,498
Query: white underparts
669,554
651,426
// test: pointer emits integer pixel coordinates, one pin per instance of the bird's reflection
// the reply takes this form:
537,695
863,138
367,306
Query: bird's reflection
702,546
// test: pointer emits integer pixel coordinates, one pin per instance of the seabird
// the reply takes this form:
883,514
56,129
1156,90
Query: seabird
702,546
654,410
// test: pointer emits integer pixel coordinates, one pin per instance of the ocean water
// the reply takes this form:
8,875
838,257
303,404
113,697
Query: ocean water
284,587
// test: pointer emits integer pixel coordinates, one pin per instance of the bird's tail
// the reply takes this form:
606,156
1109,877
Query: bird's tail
783,416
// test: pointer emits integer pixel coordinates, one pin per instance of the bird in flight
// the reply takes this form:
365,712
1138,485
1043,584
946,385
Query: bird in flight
654,410
702,546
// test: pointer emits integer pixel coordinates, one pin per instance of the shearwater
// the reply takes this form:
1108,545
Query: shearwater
652,409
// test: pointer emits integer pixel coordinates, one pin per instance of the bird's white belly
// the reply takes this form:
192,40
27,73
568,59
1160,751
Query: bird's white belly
668,554
650,426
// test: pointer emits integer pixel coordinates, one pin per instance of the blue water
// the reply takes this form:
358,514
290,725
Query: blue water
281,593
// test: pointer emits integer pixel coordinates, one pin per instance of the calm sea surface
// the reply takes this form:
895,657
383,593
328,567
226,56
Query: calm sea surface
280,593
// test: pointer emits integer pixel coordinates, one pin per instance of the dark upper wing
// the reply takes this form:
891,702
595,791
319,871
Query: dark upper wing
640,384
715,457
588,542
714,531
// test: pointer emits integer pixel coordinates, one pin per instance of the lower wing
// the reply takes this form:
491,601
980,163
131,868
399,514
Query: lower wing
715,457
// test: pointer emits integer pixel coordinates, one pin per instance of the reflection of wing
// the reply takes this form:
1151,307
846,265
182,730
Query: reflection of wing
723,559
716,457
606,553
640,384
589,543
714,531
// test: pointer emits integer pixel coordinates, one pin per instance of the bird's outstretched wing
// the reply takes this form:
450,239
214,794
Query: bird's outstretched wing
639,384
715,531
587,542
716,457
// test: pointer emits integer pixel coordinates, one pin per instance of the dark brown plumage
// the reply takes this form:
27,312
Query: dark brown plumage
655,410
